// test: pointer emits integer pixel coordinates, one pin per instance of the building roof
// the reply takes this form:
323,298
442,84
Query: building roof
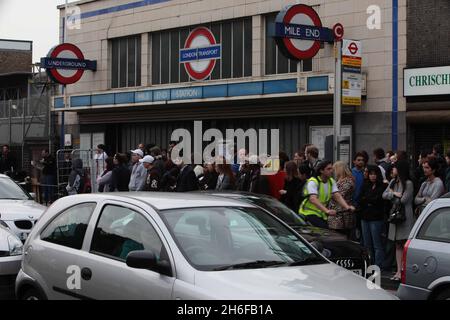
75,3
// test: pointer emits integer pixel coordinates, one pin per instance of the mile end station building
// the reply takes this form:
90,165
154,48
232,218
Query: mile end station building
141,91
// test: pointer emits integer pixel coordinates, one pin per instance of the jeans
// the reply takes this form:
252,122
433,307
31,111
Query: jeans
48,181
371,235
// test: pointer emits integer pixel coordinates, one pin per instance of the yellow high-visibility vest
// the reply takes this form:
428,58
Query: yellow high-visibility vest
307,208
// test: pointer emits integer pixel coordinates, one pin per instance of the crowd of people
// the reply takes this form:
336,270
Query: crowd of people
359,202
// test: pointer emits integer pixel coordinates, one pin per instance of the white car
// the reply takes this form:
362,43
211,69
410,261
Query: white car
153,245
10,259
18,208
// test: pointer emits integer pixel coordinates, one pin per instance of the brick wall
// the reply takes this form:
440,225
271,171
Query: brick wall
14,61
428,35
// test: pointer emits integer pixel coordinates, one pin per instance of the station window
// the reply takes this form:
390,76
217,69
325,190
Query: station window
126,62
235,37
276,62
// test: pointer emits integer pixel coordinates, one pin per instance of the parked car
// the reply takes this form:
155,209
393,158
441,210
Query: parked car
10,258
335,246
151,245
18,208
426,255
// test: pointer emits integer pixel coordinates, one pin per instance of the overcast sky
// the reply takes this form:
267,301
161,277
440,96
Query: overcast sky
35,20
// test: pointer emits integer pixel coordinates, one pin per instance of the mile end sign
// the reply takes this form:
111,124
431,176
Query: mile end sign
299,32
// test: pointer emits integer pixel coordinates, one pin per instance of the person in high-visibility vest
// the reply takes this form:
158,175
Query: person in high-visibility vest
318,192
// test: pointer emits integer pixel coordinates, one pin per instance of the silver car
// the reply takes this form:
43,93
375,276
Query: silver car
10,258
175,246
426,265
18,208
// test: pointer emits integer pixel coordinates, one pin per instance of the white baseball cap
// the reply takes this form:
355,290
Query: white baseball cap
147,159
138,152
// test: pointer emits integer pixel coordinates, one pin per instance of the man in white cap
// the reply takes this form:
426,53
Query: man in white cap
152,181
138,172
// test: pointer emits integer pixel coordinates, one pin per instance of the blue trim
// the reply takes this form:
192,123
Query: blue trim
143,96
102,99
394,74
59,103
317,84
161,95
245,89
186,93
124,97
217,91
80,101
122,7
277,86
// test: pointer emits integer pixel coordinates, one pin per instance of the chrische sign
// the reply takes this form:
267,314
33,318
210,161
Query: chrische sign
427,81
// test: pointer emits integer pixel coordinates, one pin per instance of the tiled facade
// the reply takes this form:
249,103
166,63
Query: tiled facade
96,31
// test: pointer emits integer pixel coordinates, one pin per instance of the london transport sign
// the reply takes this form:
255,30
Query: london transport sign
200,53
65,64
299,32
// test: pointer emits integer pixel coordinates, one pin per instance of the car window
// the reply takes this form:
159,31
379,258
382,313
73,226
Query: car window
437,226
121,230
69,227
11,190
215,237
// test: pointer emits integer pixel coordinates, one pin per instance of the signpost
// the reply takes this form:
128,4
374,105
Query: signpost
200,53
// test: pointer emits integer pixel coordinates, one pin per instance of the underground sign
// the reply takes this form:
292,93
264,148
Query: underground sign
299,32
200,53
65,64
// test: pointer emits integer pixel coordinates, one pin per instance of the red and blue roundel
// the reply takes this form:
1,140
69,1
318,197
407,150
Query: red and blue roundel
299,32
70,52
200,53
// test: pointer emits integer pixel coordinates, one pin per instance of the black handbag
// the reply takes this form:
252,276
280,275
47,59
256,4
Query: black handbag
397,214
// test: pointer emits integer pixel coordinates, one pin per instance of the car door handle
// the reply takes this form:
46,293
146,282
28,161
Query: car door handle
86,274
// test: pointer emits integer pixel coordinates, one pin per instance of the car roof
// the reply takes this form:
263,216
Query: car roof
233,194
172,200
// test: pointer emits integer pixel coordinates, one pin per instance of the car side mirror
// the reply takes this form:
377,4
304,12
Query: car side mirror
146,259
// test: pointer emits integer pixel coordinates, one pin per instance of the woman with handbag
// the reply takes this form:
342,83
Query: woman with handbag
431,189
401,193
344,220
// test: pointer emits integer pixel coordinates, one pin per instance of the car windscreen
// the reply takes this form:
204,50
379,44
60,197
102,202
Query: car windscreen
220,238
278,209
9,190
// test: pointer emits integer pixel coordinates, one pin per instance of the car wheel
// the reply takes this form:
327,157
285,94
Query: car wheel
32,294
444,295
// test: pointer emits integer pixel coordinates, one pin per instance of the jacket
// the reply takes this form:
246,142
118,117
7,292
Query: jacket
120,178
187,181
224,183
372,204
153,180
294,195
137,178
75,178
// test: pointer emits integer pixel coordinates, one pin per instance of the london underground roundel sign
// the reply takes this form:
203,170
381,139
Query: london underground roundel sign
299,32
200,53
65,63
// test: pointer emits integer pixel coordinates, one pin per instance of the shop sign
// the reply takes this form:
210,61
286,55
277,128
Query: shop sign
426,81
200,53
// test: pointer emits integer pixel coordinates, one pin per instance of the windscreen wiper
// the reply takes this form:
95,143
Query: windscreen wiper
251,265
307,261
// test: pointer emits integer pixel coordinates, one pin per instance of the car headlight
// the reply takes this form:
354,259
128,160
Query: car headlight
15,246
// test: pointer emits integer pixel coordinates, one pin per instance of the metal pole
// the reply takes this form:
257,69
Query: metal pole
23,128
10,138
337,99
61,139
